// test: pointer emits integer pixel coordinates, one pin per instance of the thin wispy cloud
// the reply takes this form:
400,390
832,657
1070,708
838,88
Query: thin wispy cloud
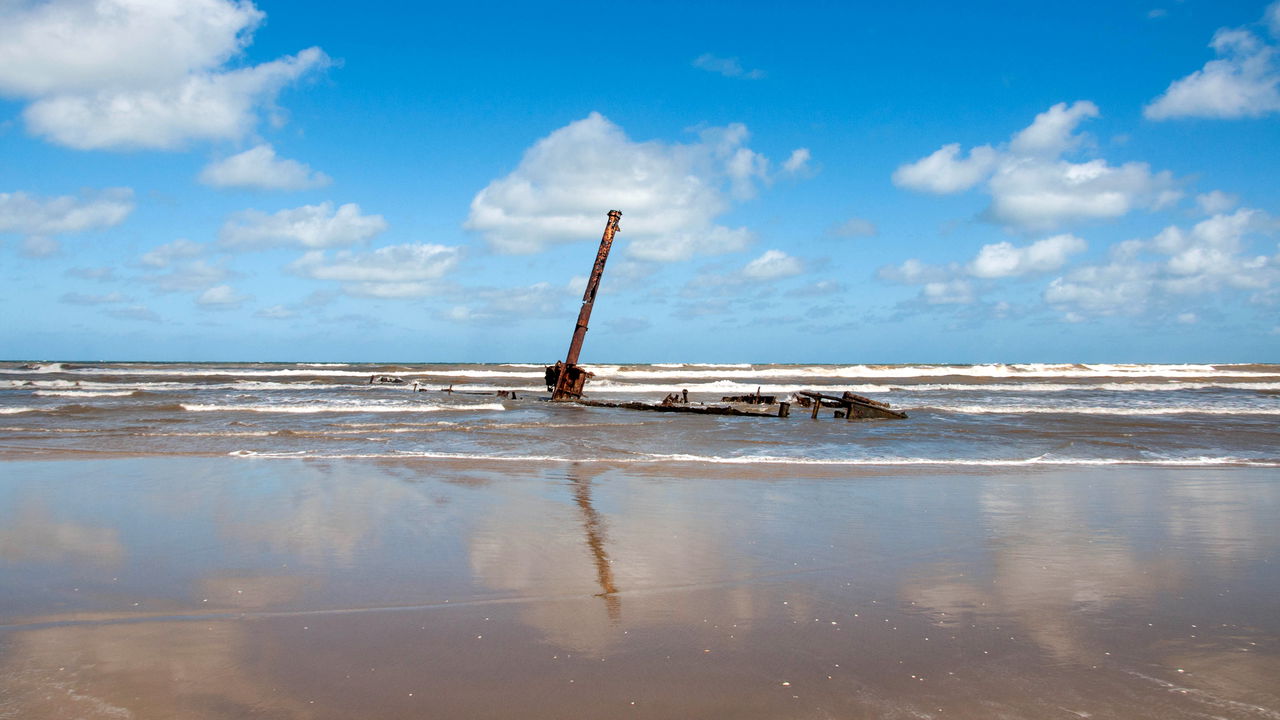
726,66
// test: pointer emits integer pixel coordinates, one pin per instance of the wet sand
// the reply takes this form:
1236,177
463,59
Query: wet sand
162,587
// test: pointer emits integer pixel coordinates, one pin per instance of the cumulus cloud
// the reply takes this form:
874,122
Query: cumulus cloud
957,291
953,284
1032,188
1005,260
798,161
1243,82
1216,201
1213,256
1053,131
945,171
125,74
395,271
221,297
35,216
260,168
728,67
670,193
309,226
772,265
913,272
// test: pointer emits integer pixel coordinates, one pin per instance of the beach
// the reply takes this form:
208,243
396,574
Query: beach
550,561
162,587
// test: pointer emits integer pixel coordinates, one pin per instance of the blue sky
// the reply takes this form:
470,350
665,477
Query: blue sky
829,182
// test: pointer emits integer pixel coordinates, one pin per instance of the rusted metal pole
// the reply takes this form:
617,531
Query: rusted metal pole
567,385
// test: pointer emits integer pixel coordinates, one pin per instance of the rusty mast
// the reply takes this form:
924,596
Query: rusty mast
570,378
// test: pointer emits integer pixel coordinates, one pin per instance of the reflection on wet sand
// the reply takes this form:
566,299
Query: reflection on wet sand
151,670
1092,597
36,536
593,526
349,589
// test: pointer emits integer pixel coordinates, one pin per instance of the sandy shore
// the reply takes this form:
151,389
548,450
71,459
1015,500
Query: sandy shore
230,588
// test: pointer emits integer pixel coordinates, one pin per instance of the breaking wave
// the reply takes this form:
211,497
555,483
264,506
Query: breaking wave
342,408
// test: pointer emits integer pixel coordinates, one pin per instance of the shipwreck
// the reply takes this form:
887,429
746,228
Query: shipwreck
566,380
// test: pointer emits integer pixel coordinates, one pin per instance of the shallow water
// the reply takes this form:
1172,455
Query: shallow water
998,415
209,587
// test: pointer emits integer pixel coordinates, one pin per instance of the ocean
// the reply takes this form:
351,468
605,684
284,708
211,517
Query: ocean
993,415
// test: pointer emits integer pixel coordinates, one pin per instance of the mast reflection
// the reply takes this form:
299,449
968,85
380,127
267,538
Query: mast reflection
593,525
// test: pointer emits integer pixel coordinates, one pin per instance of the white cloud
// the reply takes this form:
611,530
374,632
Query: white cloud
1053,131
260,168
1188,318
1033,195
129,74
32,215
950,292
728,67
944,172
1242,82
670,194
798,161
395,271
1211,257
1004,260
1272,17
1216,201
222,297
951,284
854,227
165,255
56,47
1032,188
912,272
772,265
309,226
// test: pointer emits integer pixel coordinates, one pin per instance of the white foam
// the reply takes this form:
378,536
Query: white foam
35,368
1042,460
1073,410
341,408
911,371
16,410
84,393
701,365
1202,461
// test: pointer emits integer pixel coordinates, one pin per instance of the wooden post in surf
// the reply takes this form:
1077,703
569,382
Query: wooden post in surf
571,377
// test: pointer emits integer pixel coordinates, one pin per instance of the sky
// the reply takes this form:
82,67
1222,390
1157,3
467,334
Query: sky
848,182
